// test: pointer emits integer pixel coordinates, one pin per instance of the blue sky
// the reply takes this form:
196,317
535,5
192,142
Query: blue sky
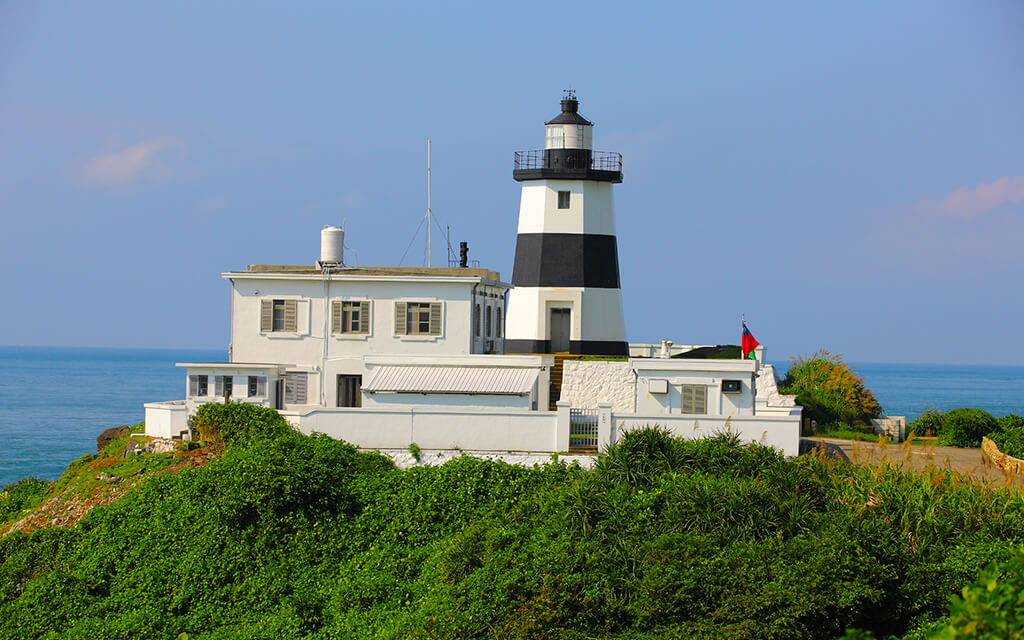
849,175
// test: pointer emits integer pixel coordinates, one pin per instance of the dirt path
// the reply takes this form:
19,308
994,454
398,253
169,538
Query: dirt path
970,462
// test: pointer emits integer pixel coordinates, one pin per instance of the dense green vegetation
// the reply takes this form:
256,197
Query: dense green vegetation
20,495
1010,436
962,427
829,390
288,536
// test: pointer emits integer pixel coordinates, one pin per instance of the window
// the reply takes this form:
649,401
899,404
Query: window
223,386
418,318
476,320
554,137
694,398
490,325
350,316
198,386
563,199
257,386
497,322
350,391
295,387
279,315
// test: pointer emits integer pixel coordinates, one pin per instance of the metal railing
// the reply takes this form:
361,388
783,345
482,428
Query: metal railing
538,159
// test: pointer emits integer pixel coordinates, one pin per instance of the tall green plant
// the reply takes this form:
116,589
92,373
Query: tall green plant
829,390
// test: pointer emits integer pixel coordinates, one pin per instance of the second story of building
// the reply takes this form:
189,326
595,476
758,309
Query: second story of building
303,314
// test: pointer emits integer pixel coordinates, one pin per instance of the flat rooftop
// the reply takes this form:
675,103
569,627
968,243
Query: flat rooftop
454,272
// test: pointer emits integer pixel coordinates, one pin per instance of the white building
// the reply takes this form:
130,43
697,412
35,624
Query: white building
388,357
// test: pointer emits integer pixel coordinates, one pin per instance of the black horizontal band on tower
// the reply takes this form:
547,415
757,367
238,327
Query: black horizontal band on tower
566,260
576,347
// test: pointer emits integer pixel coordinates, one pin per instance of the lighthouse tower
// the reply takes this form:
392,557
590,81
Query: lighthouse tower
566,272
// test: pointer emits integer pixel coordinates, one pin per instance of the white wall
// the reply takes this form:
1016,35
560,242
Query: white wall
431,428
585,383
306,346
450,401
680,371
782,433
166,419
539,212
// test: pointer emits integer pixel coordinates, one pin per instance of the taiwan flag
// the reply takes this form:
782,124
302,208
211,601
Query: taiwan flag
749,343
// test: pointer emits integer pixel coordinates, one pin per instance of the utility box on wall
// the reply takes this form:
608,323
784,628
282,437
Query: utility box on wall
732,386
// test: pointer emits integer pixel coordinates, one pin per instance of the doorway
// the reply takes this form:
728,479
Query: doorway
560,330
350,391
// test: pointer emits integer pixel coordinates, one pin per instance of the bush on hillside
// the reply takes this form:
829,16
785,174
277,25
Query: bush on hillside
1010,437
991,607
21,494
237,423
965,427
289,536
928,424
829,390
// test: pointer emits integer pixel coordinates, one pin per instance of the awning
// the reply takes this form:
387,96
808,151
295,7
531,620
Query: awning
496,380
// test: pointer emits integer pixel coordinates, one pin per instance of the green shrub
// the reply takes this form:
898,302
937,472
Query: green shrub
965,427
237,423
990,608
829,391
19,495
1010,436
289,536
928,424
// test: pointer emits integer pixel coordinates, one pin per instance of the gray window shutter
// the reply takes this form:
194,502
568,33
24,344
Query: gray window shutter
336,316
193,386
266,315
700,404
291,314
218,386
435,318
295,387
261,386
497,324
400,319
364,316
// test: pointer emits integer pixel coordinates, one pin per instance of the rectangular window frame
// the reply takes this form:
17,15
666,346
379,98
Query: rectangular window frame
351,317
564,199
693,399
279,315
199,386
419,319
256,387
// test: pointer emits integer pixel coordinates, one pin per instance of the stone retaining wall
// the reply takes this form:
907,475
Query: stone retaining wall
1005,462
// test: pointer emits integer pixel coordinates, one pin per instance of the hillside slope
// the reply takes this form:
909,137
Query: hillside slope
288,536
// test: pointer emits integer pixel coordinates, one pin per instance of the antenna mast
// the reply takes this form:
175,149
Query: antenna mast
428,204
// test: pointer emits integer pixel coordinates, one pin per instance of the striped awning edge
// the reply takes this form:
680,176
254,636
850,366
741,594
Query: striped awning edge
426,379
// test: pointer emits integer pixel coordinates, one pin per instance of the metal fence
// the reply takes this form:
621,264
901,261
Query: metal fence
582,428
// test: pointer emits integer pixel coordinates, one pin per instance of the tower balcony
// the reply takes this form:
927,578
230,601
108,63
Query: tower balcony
568,164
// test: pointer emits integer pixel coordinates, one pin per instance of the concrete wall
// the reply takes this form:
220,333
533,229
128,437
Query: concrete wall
587,383
710,373
434,428
780,432
166,419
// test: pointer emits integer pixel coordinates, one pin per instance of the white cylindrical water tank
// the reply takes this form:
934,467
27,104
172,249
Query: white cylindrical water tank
332,245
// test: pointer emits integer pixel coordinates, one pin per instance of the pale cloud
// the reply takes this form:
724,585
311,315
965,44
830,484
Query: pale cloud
969,203
140,160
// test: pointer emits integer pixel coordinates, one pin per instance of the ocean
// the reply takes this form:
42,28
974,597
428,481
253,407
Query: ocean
54,401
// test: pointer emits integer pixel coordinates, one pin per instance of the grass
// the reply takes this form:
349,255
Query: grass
846,432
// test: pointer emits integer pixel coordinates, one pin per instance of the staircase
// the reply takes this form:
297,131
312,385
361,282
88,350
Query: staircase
556,380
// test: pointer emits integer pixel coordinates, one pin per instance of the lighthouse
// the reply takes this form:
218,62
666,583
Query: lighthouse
566,296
